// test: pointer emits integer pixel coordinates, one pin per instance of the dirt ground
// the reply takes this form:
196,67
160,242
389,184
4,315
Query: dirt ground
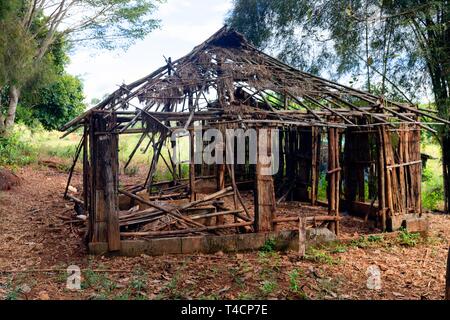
38,242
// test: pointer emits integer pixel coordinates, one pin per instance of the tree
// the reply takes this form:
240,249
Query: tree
42,23
53,105
399,45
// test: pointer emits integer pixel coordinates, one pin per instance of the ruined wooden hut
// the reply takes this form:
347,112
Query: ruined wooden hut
361,150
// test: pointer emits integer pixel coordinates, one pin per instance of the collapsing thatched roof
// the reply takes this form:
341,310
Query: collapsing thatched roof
229,77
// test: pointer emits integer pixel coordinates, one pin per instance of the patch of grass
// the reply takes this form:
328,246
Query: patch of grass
293,280
294,287
245,296
98,281
361,242
126,295
269,245
237,279
375,239
323,185
12,291
339,248
320,256
432,182
408,239
271,261
139,283
212,296
171,291
268,287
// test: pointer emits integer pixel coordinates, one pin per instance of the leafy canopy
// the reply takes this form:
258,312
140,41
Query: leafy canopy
368,40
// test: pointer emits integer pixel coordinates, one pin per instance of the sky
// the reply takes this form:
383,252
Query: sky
184,25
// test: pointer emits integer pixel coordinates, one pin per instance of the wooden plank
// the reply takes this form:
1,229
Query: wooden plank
192,165
264,193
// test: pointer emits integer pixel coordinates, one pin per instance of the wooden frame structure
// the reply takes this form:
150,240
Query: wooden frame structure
367,147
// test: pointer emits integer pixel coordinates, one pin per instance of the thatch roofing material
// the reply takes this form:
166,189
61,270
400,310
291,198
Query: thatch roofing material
237,75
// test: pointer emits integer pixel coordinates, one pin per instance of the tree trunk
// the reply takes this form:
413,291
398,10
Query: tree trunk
2,117
446,169
14,94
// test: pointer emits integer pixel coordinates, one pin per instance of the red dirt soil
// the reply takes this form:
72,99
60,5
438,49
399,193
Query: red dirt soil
8,180
38,239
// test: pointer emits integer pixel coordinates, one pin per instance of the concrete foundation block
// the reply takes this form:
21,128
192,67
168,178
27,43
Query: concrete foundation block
414,224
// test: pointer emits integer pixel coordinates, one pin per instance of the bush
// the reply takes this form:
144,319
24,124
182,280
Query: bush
408,239
15,147
432,189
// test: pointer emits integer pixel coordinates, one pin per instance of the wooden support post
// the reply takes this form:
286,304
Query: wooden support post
86,179
192,165
220,168
315,157
220,177
381,181
264,190
333,177
395,213
416,170
338,179
104,203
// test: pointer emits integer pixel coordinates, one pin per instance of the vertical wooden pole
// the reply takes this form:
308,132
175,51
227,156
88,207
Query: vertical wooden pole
417,171
314,165
337,179
401,171
381,180
331,174
221,167
93,237
333,177
192,165
86,179
104,153
264,193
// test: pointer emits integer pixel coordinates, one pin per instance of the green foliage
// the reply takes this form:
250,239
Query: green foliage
408,239
34,43
98,281
268,287
375,239
269,245
323,186
339,248
294,287
403,38
293,280
319,256
17,50
16,149
57,103
432,189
